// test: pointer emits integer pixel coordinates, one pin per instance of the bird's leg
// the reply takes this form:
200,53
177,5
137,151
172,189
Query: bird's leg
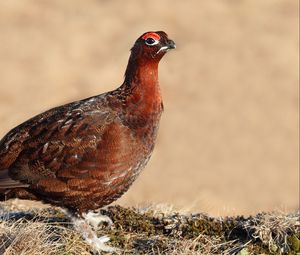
83,225
97,244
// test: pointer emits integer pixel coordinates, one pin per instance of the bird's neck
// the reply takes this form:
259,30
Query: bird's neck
141,78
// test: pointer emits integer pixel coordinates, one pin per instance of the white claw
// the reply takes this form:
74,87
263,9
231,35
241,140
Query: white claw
99,244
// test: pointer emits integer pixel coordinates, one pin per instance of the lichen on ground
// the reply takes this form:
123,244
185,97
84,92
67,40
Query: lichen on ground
149,231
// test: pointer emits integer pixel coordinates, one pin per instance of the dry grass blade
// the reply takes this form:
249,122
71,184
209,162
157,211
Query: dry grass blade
36,237
273,229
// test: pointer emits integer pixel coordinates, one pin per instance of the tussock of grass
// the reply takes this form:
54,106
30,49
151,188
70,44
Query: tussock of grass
150,231
38,236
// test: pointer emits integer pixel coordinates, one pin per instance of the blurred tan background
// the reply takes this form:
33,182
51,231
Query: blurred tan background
228,141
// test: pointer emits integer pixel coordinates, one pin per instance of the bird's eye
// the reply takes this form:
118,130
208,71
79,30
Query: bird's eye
150,41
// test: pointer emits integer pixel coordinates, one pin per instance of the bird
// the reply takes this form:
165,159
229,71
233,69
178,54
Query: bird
84,155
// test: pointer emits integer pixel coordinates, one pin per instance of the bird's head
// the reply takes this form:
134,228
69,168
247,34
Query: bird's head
152,45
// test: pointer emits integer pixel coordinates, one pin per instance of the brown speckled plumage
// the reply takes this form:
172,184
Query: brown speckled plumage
86,154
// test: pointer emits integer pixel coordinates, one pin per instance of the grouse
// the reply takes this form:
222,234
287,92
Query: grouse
85,154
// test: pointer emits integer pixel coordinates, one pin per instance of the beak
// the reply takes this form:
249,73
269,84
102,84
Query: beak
169,45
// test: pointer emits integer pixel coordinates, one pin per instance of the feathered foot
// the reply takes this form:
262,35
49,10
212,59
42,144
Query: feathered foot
87,226
97,244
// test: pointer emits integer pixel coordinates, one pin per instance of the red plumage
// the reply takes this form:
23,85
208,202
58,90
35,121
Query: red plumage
86,154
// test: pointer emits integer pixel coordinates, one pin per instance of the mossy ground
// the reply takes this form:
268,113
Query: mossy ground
150,231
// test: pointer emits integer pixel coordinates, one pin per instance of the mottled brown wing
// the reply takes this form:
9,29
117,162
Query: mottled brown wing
71,153
53,140
13,142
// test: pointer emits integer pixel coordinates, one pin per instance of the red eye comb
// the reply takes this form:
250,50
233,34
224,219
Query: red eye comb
152,35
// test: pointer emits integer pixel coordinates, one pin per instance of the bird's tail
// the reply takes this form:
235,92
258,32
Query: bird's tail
7,184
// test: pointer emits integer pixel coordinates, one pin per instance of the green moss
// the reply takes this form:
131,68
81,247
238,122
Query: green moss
294,242
147,232
136,232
